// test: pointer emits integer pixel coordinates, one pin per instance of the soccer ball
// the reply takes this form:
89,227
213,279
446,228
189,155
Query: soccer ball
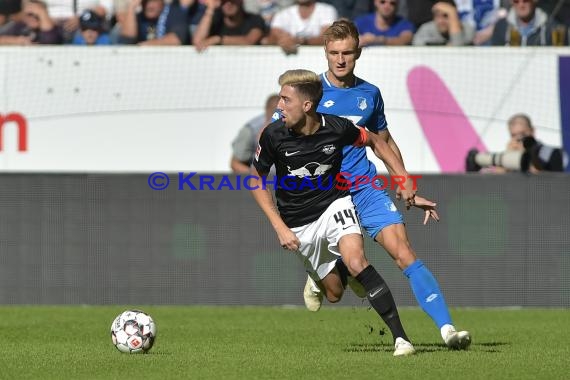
133,331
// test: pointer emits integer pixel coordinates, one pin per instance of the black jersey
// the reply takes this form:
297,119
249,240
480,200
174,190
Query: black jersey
307,167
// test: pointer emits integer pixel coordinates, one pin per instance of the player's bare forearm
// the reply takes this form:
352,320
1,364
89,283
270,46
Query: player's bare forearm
264,199
395,149
406,186
287,239
386,136
384,152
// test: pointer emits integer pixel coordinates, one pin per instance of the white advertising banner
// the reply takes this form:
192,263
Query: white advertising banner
132,109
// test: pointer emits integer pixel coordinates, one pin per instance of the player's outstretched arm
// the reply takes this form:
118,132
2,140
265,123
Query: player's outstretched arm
263,197
387,136
394,165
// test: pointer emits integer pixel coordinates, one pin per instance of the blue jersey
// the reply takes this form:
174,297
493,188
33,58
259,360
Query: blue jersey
363,105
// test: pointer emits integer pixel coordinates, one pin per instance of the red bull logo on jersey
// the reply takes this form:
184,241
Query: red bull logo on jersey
329,149
310,170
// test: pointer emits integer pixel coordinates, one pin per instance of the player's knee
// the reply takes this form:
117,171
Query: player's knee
334,295
334,299
405,255
356,264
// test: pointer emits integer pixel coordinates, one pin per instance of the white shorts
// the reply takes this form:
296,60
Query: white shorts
319,239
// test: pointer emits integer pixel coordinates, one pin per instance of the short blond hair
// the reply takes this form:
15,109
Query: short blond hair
306,82
341,30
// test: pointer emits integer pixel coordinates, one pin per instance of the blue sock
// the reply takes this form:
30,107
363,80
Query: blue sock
428,295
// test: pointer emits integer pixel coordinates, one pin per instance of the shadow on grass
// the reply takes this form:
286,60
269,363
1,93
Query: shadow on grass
488,347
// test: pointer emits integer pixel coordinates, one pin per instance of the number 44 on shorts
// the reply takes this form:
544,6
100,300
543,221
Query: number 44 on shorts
343,216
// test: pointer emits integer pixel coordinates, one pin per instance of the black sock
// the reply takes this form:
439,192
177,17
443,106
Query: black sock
381,299
343,271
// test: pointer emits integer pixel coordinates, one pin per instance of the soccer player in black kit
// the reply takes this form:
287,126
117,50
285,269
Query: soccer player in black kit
315,216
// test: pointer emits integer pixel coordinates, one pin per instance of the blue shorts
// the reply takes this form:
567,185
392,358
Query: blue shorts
375,209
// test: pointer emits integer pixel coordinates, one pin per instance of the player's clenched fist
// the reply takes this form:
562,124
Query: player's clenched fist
288,239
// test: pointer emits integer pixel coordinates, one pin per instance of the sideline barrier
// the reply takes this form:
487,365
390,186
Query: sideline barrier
110,239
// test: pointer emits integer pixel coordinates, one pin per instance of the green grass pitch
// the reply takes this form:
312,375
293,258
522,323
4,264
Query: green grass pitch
41,342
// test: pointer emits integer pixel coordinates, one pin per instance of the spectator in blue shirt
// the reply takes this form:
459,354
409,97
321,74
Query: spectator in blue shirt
384,27
159,23
92,32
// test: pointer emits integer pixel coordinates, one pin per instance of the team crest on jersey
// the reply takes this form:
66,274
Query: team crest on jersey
329,149
257,152
310,170
362,103
276,115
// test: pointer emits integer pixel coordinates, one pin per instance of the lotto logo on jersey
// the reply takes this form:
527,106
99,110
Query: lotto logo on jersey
257,152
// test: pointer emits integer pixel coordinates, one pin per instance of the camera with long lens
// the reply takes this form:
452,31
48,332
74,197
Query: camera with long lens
540,156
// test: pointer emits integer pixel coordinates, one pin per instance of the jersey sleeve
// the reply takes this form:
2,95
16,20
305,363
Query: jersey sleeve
353,134
362,137
378,119
264,156
255,22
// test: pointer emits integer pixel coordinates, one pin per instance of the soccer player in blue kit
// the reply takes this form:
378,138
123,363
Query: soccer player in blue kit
348,96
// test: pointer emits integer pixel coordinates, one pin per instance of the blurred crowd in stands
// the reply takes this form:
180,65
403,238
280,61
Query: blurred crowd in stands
285,23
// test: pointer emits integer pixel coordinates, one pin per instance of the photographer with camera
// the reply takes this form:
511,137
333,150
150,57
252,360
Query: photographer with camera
524,153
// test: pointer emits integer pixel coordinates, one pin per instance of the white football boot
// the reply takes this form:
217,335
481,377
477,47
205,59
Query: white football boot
403,348
457,340
313,295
